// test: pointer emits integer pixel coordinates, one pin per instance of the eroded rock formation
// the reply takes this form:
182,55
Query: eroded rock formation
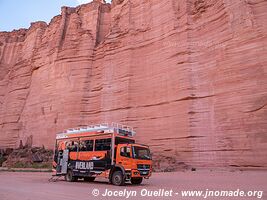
189,75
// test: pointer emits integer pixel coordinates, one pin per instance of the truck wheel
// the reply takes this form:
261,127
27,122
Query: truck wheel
69,176
136,181
118,178
89,179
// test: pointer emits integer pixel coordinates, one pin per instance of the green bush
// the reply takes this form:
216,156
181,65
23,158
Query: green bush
32,165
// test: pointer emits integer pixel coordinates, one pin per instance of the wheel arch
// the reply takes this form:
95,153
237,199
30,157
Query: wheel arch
115,168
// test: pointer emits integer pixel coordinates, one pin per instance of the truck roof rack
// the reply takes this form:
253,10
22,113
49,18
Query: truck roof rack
119,128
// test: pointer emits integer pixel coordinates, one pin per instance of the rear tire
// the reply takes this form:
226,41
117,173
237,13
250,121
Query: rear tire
136,181
117,178
89,179
70,177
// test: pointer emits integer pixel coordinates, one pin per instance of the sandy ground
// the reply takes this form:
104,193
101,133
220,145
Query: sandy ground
35,186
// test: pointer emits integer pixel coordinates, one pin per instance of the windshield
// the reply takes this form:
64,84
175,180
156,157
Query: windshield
141,153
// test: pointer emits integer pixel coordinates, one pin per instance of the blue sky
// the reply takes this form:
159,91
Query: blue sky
15,14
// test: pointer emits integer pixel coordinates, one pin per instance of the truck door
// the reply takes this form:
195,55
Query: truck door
62,162
124,156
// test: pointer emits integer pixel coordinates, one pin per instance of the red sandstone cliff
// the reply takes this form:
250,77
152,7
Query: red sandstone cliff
189,75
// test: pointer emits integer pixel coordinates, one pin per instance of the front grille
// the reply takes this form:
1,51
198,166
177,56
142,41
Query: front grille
142,167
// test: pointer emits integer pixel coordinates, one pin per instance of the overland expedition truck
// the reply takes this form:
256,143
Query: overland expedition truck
105,150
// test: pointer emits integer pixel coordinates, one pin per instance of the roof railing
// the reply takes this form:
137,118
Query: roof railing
121,129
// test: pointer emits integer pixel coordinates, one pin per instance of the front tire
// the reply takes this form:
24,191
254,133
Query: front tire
70,177
118,178
136,181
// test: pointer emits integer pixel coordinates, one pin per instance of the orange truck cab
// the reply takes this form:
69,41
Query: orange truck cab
105,150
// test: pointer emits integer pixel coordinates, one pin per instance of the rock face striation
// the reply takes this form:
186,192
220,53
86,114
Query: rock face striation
190,76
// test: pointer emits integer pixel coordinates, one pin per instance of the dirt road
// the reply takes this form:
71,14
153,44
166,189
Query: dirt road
35,186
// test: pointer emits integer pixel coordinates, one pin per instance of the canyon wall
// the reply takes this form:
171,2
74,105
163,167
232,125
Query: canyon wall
189,76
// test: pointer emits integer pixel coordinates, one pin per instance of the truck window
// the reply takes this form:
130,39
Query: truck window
103,144
125,152
72,146
87,145
120,140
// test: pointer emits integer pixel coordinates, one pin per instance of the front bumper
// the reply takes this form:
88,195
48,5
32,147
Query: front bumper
141,173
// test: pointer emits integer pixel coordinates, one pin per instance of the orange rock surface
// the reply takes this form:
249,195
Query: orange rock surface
189,76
